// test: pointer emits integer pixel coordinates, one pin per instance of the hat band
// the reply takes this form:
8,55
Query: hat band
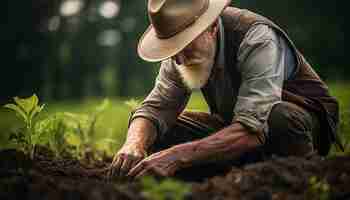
184,25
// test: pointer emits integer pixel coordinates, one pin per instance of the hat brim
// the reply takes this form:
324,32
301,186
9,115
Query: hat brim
153,49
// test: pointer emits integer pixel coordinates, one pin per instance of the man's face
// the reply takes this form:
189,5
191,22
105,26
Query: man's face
196,60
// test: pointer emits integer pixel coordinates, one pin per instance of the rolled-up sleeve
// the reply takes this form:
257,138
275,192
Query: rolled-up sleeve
261,64
167,99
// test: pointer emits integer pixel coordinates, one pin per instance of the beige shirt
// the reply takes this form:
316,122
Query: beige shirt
264,61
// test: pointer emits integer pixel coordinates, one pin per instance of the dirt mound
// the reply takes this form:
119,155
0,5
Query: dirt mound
282,178
278,178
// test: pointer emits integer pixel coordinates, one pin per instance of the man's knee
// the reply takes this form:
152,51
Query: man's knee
290,130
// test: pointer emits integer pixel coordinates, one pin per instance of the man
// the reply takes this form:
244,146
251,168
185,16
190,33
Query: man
262,94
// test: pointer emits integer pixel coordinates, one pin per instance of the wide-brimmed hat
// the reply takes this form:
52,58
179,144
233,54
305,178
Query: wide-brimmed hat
174,24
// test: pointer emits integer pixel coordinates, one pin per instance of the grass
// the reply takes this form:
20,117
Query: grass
113,122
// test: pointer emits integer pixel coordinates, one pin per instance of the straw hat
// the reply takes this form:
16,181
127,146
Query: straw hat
174,24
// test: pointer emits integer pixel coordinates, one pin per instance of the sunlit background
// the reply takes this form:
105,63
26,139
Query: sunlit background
73,49
76,54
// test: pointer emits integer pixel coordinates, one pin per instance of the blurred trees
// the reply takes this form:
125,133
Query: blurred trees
77,48
317,28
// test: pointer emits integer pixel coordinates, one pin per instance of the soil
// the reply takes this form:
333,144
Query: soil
277,178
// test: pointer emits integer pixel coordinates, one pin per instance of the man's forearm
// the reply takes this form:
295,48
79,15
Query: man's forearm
141,133
226,144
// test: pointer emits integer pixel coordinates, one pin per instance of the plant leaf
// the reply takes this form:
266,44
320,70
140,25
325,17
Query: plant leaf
27,104
19,112
37,109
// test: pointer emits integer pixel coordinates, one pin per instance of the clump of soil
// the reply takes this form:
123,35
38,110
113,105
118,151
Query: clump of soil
281,178
278,178
48,178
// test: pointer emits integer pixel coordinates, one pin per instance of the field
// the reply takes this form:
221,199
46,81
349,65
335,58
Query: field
102,126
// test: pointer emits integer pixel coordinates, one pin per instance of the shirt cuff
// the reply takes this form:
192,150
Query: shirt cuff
253,125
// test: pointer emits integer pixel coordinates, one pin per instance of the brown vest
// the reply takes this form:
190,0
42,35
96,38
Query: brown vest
305,88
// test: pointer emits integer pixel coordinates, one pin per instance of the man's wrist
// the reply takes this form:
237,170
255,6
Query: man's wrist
186,153
141,134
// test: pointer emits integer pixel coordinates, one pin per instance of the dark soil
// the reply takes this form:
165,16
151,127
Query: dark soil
278,178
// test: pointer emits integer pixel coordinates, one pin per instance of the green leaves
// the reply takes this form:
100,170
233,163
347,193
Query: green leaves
55,130
166,189
318,189
26,108
19,112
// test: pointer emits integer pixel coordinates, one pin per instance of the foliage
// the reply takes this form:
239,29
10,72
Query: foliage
165,189
85,128
318,189
62,132
27,109
56,127
67,129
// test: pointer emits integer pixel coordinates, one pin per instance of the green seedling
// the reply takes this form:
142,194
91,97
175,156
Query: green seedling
26,109
318,189
84,127
164,189
71,133
56,128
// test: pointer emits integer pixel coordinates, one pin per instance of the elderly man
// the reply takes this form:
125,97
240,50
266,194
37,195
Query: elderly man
262,94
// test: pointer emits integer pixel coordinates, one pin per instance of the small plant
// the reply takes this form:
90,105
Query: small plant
319,189
83,128
56,128
26,109
165,189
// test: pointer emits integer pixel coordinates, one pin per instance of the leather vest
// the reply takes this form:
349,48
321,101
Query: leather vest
305,88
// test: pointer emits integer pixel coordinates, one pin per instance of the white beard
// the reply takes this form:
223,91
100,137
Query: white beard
195,76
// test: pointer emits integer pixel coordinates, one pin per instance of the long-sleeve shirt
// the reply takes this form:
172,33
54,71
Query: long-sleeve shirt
264,62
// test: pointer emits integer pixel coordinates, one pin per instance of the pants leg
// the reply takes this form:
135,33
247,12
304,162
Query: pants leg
290,130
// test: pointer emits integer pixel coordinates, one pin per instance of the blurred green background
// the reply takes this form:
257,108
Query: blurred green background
73,53
71,49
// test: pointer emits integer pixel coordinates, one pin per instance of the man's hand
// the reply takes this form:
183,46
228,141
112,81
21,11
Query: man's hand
164,163
141,135
126,158
226,144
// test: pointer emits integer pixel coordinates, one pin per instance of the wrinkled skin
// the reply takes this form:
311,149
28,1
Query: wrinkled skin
164,163
126,158
141,135
226,144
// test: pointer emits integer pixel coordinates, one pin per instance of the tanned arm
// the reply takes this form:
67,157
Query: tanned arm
226,144
141,135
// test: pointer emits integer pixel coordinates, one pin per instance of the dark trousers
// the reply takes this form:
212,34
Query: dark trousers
289,131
